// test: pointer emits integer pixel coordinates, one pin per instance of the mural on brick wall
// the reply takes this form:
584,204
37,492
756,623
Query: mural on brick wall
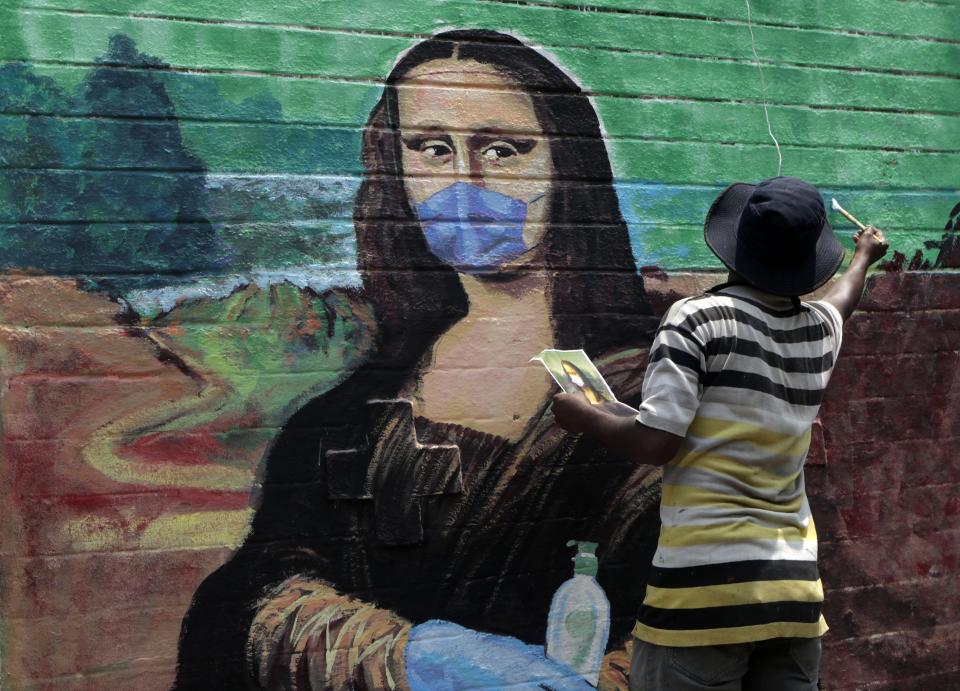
431,489
266,316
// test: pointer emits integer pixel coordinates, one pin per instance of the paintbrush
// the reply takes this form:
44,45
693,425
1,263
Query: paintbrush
850,217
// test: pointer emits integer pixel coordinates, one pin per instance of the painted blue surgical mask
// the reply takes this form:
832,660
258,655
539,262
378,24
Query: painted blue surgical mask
473,229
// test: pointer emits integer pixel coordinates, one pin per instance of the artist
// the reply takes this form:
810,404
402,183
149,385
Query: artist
380,560
735,380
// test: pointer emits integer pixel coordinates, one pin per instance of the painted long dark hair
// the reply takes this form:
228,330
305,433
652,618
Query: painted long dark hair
597,298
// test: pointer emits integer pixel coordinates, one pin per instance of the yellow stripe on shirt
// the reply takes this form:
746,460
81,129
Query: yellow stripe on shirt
738,531
770,441
750,593
737,634
688,496
743,471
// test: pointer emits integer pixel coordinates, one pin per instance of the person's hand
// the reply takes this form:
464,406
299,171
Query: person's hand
870,243
573,412
619,409
443,656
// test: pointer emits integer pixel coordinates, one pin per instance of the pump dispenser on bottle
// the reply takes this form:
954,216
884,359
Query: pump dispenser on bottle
579,620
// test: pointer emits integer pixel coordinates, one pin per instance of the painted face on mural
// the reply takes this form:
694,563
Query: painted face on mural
477,166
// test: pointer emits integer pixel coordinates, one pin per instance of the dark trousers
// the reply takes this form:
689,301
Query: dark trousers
778,664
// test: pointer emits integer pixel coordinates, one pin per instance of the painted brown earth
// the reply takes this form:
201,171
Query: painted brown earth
102,551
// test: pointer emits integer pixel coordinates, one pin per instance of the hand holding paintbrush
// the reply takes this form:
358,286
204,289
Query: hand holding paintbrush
849,216
877,245
869,240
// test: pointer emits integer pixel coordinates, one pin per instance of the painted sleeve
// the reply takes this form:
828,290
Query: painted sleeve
307,631
672,384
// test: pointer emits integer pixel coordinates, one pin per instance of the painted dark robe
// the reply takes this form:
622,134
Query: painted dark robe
363,530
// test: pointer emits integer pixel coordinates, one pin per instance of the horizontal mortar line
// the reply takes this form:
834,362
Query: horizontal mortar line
949,441
839,544
347,235
356,178
879,400
255,483
81,441
161,330
378,80
243,222
501,174
379,83
371,81
900,490
361,124
359,176
723,20
156,493
903,582
49,498
167,604
931,3
218,220
359,129
420,35
163,665
688,56
161,373
206,274
159,551
885,684
946,627
358,124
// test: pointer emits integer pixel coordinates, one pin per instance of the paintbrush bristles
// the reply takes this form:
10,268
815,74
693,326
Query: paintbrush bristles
850,217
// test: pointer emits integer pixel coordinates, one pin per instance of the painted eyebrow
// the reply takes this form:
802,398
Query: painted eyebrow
414,142
488,136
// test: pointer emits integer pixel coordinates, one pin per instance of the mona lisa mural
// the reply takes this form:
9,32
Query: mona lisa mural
273,275
429,497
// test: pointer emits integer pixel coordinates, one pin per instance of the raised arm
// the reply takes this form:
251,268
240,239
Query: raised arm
845,293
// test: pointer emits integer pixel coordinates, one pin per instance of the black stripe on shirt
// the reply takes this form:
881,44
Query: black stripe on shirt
733,572
742,346
757,382
730,615
679,357
811,333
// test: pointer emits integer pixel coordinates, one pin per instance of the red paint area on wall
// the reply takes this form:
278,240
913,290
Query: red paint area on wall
95,601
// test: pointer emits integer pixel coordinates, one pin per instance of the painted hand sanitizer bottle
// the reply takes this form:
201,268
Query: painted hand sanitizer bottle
579,621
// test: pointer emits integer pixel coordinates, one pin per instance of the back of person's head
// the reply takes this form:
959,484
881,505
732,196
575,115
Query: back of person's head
775,235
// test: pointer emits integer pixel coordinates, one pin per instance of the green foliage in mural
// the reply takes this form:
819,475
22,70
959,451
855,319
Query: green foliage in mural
178,235
115,192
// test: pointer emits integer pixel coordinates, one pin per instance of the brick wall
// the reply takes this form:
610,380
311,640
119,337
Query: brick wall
885,498
178,183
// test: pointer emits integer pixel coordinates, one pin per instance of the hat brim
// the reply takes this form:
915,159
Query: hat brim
804,275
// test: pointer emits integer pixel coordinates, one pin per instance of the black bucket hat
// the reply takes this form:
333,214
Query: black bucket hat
775,234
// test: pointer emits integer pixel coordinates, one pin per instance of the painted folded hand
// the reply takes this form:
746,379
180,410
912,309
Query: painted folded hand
443,656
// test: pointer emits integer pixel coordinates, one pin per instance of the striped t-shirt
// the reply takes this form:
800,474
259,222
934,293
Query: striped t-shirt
739,374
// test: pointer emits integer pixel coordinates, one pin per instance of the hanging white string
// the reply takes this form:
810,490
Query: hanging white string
763,89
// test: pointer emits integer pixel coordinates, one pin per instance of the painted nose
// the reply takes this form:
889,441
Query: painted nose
467,166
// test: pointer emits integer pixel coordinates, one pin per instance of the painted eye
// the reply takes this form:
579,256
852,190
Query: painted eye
498,152
435,149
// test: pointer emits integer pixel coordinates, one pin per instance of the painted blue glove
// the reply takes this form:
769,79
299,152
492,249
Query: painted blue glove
442,656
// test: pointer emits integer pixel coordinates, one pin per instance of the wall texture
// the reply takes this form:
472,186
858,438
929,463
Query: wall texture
213,280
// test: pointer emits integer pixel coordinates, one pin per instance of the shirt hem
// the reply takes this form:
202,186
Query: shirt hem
688,638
